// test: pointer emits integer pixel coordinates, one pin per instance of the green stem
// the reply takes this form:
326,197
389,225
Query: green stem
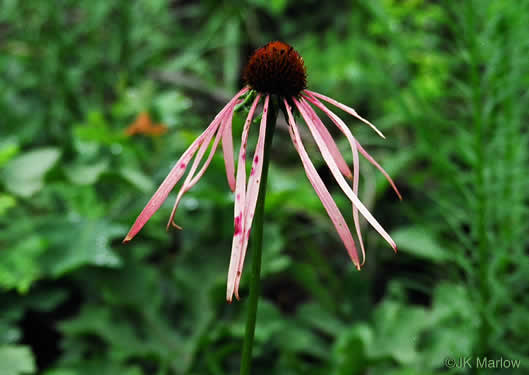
256,244
481,209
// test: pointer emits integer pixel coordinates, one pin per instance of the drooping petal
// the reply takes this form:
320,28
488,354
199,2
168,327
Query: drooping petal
345,108
341,125
226,124
333,148
252,192
227,149
191,179
374,162
340,179
356,220
165,188
185,186
352,142
176,174
322,192
240,202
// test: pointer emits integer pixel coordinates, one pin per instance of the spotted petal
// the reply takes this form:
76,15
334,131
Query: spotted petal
252,191
176,173
352,142
322,192
240,201
340,179
331,145
341,125
347,109
227,149
191,179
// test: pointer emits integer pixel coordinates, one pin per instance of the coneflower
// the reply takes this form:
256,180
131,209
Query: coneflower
275,71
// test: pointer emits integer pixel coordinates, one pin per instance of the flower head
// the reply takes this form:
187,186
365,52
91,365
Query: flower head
275,69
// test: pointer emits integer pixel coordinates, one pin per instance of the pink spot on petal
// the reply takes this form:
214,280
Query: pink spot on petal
238,196
256,159
252,172
237,225
182,165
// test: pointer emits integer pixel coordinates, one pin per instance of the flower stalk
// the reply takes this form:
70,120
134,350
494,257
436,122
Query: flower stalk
256,243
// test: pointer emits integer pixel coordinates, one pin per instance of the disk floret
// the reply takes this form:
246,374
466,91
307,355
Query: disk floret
276,68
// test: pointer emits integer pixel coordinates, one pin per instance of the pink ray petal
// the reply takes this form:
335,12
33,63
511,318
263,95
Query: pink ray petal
322,192
340,179
331,145
191,179
240,202
374,162
356,171
341,125
225,122
175,174
225,125
356,175
227,149
252,191
165,188
347,109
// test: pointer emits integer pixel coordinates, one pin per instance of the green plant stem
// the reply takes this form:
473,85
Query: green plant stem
481,212
256,244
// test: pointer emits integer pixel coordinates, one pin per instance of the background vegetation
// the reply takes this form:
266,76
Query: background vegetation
446,81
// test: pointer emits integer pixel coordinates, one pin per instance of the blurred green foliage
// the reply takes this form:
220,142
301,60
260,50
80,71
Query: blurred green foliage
446,81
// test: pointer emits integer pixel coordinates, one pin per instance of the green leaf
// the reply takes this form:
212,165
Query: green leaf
455,327
127,337
8,149
134,284
273,260
97,130
393,165
271,322
96,367
6,202
20,266
137,179
397,331
16,360
62,371
297,339
24,175
315,316
171,106
349,351
291,190
419,242
9,332
100,322
76,242
307,276
84,174
274,6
